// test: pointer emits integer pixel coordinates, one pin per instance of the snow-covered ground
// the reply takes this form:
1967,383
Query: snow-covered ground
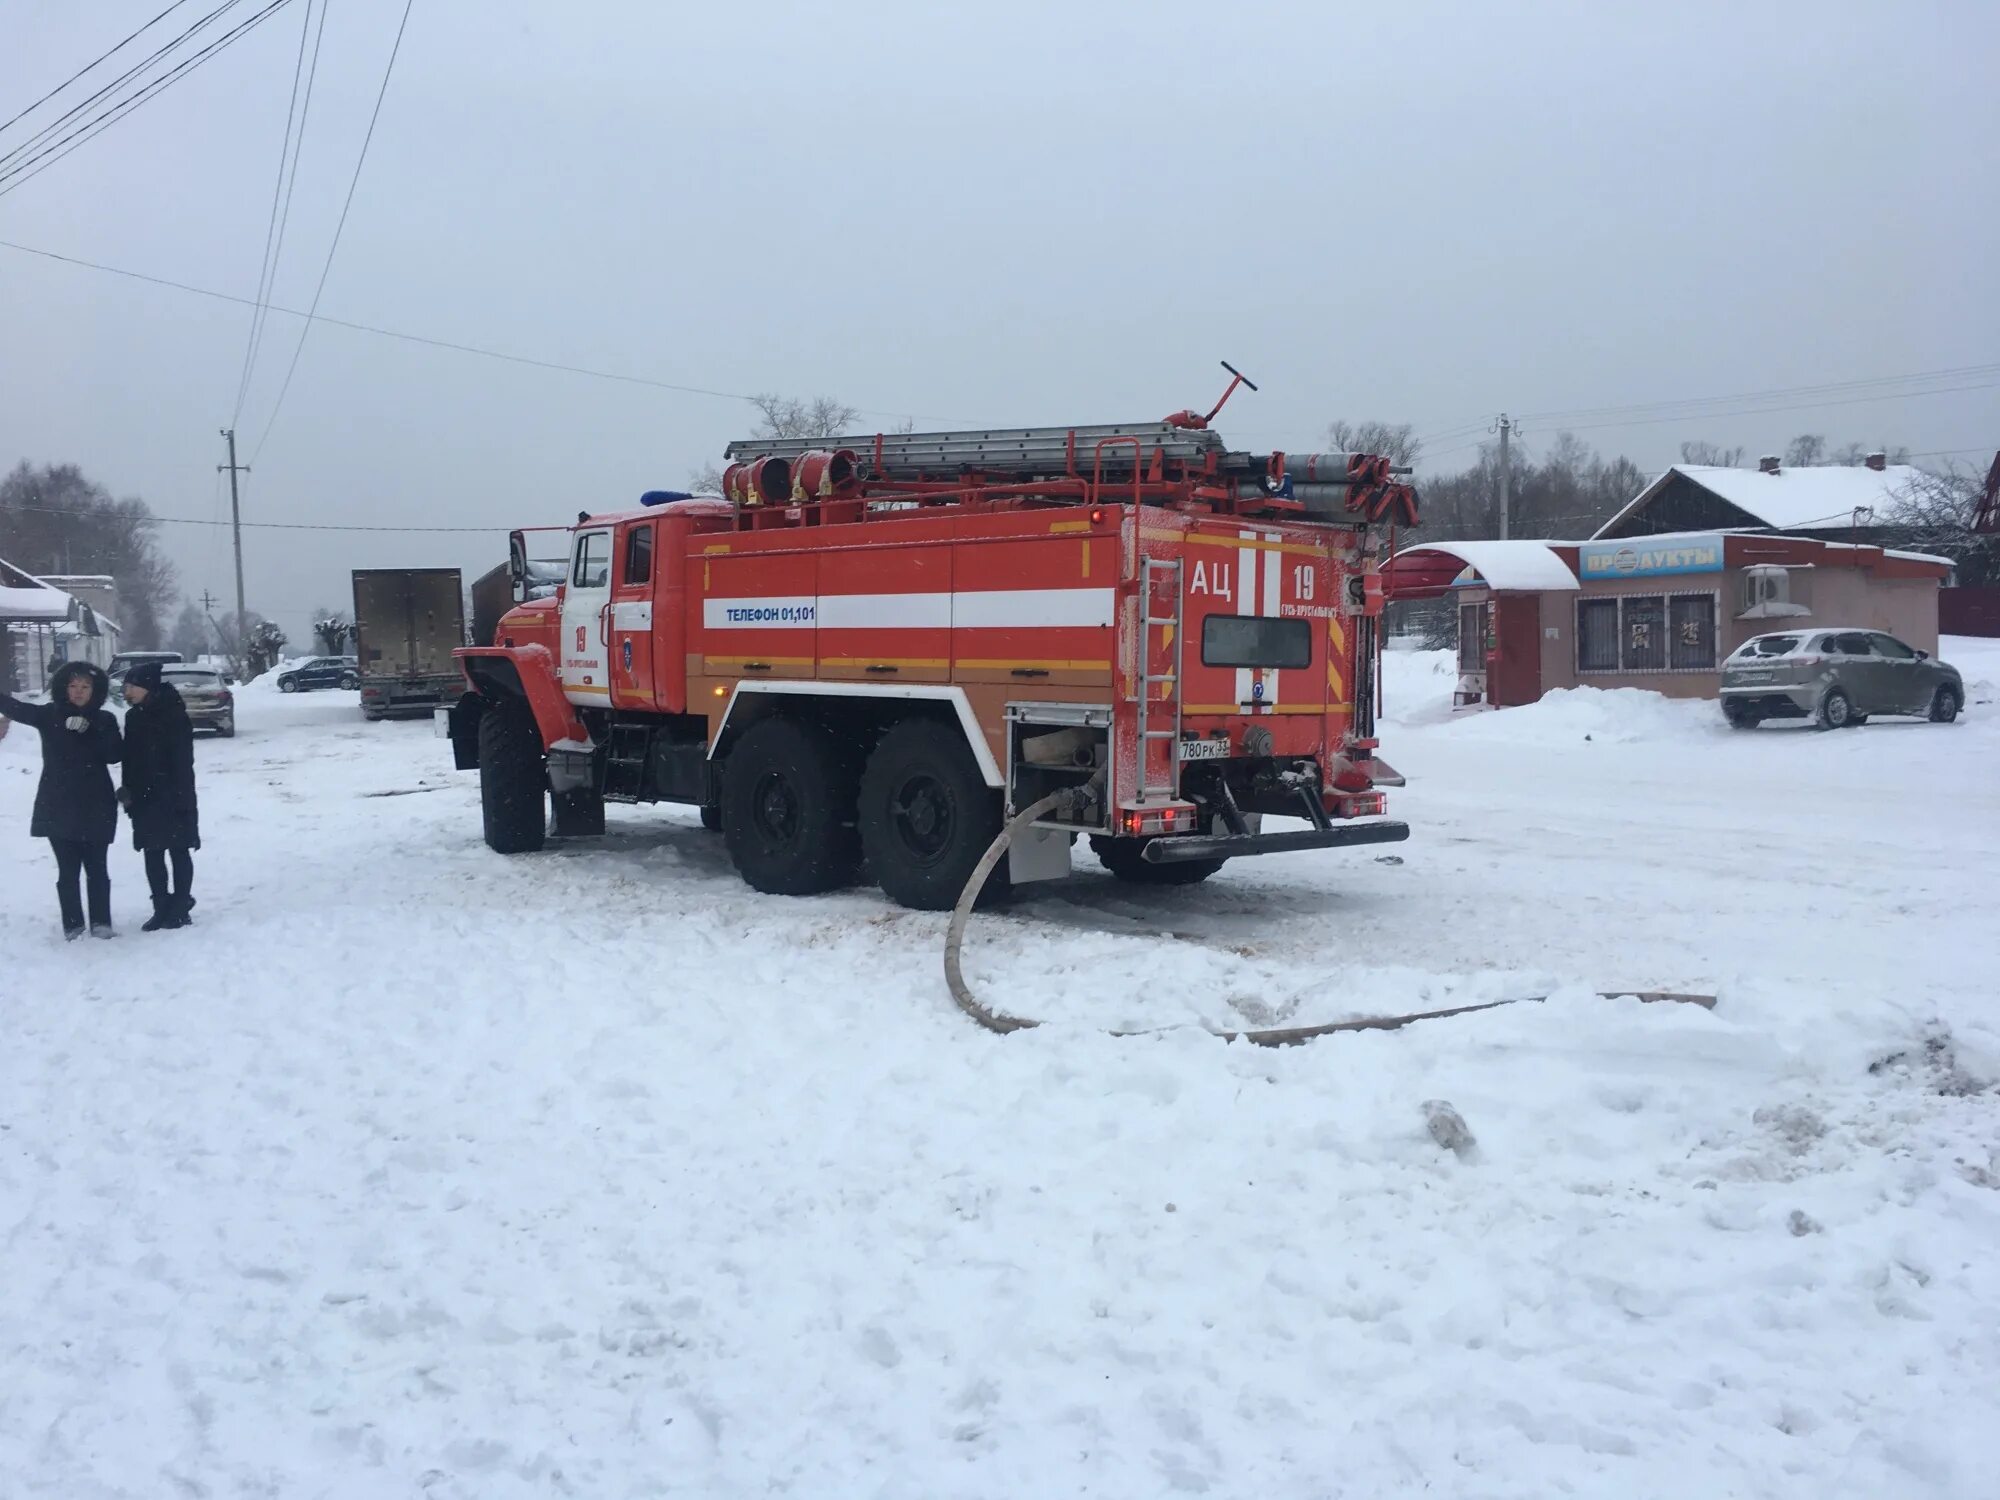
412,1170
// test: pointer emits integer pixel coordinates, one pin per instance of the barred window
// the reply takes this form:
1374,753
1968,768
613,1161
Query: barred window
1597,635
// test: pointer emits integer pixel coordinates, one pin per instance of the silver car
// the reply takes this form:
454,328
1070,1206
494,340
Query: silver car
210,704
1838,677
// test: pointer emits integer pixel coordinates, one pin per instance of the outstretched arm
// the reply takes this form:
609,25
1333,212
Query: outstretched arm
36,715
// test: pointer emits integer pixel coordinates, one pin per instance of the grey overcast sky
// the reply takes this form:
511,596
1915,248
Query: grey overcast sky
1016,212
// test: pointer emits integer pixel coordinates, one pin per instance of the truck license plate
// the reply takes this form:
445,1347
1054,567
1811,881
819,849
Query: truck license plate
1204,749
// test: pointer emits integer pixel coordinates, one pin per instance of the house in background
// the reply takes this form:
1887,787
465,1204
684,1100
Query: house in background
1833,502
42,622
1699,562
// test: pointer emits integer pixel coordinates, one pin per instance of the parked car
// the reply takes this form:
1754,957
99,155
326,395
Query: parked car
125,661
1840,677
320,672
205,691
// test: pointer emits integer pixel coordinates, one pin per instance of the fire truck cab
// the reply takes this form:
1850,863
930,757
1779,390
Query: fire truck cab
873,650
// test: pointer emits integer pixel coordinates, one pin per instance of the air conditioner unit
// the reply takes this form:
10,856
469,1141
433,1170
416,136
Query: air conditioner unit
1767,593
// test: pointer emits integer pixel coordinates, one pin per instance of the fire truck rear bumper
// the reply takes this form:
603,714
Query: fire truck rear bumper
1169,851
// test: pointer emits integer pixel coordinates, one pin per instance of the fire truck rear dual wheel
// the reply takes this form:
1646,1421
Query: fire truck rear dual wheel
1125,858
788,809
926,815
513,778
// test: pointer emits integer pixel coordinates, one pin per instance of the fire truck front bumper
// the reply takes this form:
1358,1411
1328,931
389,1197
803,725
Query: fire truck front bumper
1169,851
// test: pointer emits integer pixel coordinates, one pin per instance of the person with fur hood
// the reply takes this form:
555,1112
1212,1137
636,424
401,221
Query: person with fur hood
75,808
158,792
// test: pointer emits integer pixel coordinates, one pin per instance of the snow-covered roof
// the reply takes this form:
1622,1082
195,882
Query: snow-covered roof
30,599
1791,499
1526,565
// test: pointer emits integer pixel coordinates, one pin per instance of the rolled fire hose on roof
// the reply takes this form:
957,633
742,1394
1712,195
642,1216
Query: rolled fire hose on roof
1000,1022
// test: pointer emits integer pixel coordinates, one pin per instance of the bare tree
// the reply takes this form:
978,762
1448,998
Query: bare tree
191,635
1712,454
787,417
1569,493
1395,441
57,520
1805,450
333,628
1935,515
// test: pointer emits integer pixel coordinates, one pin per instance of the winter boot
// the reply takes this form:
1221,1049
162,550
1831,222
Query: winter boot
174,912
161,907
103,930
71,934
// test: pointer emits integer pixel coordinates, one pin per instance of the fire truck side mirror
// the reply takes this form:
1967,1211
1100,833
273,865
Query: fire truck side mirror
517,565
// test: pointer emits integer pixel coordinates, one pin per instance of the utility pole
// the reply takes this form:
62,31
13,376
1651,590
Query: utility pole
236,530
1506,474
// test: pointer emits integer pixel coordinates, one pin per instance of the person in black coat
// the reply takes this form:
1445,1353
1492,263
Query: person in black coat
75,808
158,791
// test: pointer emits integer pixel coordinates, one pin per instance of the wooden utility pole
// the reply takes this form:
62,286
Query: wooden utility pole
236,531
1506,472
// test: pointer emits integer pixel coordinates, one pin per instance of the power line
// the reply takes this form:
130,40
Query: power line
26,171
44,132
497,530
1836,387
268,267
4,125
353,183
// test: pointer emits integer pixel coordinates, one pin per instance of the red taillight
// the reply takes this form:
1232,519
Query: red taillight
1160,818
1361,805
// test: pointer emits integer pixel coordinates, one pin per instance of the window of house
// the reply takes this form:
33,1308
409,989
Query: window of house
1691,632
1646,633
1642,633
1597,635
639,555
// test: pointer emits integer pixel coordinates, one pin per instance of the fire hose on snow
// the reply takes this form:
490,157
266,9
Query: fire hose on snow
1001,1022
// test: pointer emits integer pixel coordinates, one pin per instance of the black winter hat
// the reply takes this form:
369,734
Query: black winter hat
146,675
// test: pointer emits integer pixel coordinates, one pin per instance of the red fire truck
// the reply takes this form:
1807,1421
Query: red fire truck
871,650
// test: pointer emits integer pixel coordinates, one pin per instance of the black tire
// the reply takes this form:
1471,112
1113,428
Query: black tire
1125,859
927,816
513,779
350,682
1944,705
288,684
711,819
788,809
226,730
1739,717
1836,710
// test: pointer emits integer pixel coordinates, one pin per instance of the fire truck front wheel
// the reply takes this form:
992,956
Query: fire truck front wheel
788,809
512,778
1124,859
926,815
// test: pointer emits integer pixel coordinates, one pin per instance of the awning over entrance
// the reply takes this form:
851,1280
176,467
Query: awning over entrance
1428,570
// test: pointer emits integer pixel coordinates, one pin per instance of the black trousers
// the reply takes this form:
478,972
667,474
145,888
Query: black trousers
156,873
82,857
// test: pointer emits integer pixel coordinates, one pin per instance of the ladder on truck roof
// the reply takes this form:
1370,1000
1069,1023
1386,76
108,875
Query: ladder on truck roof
1165,571
1000,450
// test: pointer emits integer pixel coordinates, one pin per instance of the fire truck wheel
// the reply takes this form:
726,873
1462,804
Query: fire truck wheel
1124,859
788,809
711,819
512,780
926,816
